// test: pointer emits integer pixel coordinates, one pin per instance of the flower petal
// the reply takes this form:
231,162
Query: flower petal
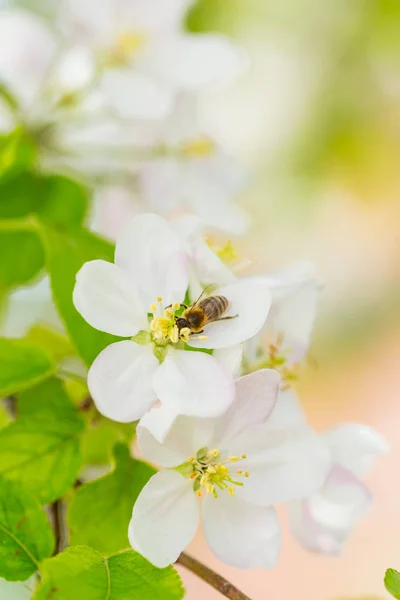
255,397
250,301
295,292
239,534
135,96
165,518
154,256
170,444
121,381
108,300
324,521
193,383
193,62
287,412
283,465
355,447
27,51
231,358
207,266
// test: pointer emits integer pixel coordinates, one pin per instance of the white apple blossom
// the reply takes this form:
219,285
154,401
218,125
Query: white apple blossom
239,469
285,338
50,91
179,168
137,297
324,521
145,56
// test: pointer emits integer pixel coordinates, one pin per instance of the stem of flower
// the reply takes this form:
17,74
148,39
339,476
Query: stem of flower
56,509
216,581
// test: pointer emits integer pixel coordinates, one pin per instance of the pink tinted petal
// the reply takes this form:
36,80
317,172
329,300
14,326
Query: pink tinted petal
239,534
355,447
165,518
193,383
255,397
283,465
121,381
184,437
323,522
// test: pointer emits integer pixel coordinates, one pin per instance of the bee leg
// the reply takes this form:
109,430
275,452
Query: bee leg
226,318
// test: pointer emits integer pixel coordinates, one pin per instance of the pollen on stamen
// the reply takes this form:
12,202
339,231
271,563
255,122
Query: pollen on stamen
240,471
191,459
246,474
199,493
159,299
193,476
244,456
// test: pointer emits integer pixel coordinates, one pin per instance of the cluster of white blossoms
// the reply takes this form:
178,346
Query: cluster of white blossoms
111,90
228,430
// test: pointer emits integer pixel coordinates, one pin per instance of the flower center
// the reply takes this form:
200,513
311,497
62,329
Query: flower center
275,357
125,46
212,474
200,147
163,325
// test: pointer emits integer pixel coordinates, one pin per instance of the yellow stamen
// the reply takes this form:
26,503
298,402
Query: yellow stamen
192,459
153,307
203,337
244,456
210,488
234,458
159,299
246,474
174,335
231,491
176,306
240,471
199,493
198,147
214,453
193,476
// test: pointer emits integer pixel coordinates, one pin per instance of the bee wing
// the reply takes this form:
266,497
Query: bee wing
207,291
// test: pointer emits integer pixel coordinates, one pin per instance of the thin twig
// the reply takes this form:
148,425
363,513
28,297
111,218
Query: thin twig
216,581
56,513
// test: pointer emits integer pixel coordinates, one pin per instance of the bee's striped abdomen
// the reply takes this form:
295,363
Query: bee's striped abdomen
214,307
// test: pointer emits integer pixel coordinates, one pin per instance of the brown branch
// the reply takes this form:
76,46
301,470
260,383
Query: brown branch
216,581
56,516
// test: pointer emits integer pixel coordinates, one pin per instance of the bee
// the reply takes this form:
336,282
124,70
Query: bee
209,309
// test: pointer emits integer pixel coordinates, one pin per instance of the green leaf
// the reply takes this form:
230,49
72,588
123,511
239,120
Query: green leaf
21,256
392,582
55,199
100,438
66,253
52,341
26,537
41,448
17,195
62,202
17,153
81,572
23,364
100,512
